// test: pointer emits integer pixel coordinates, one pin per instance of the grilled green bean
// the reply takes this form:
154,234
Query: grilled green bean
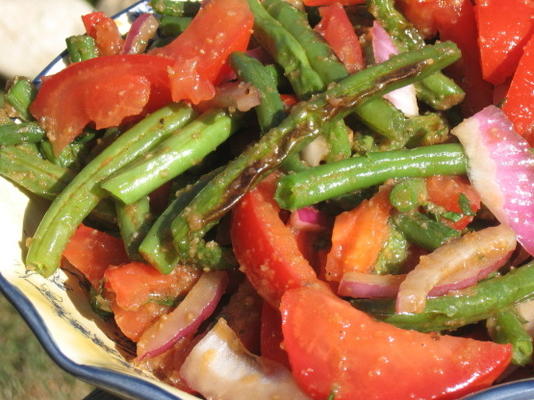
423,231
134,221
20,94
27,132
506,327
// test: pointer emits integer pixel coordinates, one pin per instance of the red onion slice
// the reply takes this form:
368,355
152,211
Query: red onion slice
403,98
185,319
240,96
472,252
142,30
308,219
219,367
370,286
501,169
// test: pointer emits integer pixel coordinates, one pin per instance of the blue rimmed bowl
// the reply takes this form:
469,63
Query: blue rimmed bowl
58,312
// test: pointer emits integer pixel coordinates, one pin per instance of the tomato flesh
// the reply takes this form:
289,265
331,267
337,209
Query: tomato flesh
504,27
135,284
91,252
519,103
220,28
265,248
334,347
102,90
339,33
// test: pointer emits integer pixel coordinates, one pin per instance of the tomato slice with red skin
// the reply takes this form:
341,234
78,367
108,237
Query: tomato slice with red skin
504,28
135,284
519,103
220,28
133,323
336,28
100,90
334,347
105,32
445,191
265,247
91,251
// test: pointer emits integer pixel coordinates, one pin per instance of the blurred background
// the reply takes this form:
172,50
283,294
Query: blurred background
32,33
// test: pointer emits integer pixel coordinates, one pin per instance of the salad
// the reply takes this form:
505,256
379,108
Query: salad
317,200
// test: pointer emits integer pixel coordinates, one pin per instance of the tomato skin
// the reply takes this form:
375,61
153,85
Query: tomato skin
504,27
201,51
519,103
92,251
445,191
339,33
72,98
265,248
105,32
335,347
135,284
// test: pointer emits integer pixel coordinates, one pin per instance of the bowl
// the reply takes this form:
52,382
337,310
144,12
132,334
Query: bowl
58,311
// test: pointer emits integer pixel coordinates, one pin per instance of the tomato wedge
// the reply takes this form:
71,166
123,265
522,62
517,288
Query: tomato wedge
105,32
335,348
358,237
339,33
504,28
91,252
519,103
265,248
135,284
271,335
133,323
445,191
201,51
103,90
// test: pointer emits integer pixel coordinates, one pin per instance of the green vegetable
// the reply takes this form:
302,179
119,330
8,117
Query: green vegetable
437,90
304,123
271,111
20,94
83,193
178,8
423,231
335,179
450,312
180,151
134,222
286,50
172,25
394,253
408,194
507,327
27,132
81,48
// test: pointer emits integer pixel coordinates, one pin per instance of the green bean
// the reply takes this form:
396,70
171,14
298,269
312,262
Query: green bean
337,136
134,222
286,50
304,123
393,255
271,111
81,48
423,231
27,132
331,180
72,156
408,194
322,59
178,8
506,327
19,95
83,193
461,308
23,166
172,25
174,155
438,91
157,247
